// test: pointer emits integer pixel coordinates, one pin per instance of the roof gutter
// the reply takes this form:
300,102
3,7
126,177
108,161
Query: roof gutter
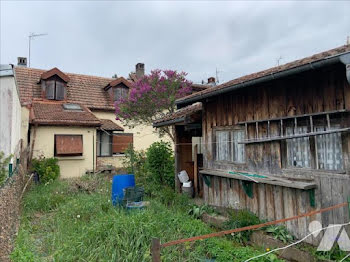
343,58
169,122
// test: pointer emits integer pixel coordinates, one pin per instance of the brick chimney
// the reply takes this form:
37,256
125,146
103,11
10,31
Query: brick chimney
211,81
22,61
140,70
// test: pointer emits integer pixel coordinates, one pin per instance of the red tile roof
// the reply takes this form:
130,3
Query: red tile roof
119,80
180,113
55,71
81,89
109,125
273,70
53,113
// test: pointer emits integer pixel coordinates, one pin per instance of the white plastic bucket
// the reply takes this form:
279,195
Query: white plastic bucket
183,176
187,184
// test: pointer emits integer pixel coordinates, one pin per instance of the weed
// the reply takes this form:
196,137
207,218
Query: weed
280,232
85,227
241,218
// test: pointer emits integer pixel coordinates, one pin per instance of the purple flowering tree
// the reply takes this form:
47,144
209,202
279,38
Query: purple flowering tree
153,97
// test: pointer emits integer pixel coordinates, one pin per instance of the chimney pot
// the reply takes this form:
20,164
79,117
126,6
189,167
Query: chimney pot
211,81
22,61
140,70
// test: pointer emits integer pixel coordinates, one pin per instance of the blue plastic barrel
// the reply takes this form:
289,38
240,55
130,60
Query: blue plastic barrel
120,182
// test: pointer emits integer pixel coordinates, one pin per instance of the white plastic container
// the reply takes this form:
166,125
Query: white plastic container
183,176
187,184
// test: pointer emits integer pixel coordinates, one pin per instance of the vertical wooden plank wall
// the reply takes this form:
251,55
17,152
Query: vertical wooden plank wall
305,93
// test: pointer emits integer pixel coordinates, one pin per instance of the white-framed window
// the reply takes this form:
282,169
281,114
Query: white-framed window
228,147
298,149
329,150
324,153
238,150
223,146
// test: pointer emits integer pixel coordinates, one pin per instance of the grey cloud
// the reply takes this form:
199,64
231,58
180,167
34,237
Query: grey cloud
103,38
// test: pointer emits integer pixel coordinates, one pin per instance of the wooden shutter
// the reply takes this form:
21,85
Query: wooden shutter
50,89
60,88
68,145
121,142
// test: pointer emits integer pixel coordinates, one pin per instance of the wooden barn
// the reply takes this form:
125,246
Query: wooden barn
276,142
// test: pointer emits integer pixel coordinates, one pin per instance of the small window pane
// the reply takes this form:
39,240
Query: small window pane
298,149
105,144
329,150
238,152
222,145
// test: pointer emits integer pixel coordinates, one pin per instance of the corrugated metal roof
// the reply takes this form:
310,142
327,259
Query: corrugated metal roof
6,70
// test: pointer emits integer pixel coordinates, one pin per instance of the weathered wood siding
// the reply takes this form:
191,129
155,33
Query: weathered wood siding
312,92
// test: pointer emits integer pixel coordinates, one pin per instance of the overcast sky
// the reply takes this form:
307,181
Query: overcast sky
104,38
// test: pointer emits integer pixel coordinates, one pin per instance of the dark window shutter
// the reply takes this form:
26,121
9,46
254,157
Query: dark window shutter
60,88
121,142
120,92
50,89
68,145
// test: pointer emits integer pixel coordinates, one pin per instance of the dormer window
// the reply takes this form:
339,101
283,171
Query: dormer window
54,90
53,84
118,89
120,92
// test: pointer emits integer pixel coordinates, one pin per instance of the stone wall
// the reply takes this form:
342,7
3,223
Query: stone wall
10,203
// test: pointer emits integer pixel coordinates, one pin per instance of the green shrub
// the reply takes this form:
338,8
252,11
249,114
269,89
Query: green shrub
134,163
4,162
47,168
242,218
160,164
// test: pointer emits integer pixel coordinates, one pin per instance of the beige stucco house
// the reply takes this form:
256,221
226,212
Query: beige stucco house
71,117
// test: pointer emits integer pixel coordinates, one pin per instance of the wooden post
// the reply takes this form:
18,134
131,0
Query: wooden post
195,170
155,250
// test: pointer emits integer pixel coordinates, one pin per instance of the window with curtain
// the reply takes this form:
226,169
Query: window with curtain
298,149
228,147
329,150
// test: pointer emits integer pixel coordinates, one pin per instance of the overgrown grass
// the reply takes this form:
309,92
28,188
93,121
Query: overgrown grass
61,224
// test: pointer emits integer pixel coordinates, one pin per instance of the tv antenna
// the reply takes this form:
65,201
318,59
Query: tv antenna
217,74
278,60
30,37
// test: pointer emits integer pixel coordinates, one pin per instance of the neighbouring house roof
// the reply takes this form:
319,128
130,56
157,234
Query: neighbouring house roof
82,89
178,116
266,75
118,81
195,87
109,125
6,70
89,91
55,71
53,113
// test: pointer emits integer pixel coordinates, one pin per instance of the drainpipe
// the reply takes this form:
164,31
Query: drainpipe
93,152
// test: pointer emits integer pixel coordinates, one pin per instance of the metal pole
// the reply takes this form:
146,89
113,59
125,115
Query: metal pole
155,250
29,39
